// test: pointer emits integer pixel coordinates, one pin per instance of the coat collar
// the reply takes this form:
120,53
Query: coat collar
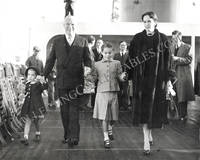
104,61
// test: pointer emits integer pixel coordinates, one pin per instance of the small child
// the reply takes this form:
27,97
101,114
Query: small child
33,107
108,72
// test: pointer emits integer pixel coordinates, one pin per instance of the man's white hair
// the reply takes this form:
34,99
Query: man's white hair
69,18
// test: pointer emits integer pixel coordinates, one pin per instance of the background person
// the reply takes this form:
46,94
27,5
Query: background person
182,60
123,95
35,61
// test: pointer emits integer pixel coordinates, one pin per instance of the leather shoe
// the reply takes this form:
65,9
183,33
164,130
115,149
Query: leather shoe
75,142
64,141
24,141
72,142
111,137
37,138
107,144
146,152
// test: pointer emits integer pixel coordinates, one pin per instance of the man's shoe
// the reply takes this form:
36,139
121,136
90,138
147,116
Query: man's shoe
76,143
70,144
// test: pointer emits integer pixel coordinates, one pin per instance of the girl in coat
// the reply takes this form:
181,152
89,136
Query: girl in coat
33,107
106,107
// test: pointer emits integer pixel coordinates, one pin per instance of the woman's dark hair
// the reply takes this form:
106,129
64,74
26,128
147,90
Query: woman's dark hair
91,39
151,15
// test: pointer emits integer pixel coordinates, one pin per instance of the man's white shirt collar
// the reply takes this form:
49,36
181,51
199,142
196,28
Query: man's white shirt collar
122,53
70,40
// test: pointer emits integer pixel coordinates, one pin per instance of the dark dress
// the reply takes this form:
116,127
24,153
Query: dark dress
149,62
33,106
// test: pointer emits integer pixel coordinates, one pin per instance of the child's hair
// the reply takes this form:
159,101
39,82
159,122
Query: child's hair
33,69
106,45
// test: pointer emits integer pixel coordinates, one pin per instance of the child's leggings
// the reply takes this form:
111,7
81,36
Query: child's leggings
28,126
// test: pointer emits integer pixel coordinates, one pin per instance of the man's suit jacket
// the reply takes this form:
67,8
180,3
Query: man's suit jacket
123,59
70,61
97,56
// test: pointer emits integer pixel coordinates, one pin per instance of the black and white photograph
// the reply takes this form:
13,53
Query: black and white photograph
100,80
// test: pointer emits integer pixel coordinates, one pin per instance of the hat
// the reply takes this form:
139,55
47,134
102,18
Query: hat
33,68
36,48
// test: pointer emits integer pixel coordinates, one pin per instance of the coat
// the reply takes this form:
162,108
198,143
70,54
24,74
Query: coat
108,74
70,61
33,104
148,67
184,84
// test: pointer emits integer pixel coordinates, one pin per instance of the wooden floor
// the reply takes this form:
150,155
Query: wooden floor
176,141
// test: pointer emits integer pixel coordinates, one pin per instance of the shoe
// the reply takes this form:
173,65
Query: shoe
146,152
64,141
51,106
107,144
151,143
72,142
37,138
24,141
111,137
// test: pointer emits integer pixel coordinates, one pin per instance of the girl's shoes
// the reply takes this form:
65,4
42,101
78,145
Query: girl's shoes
37,138
111,137
24,141
107,144
146,152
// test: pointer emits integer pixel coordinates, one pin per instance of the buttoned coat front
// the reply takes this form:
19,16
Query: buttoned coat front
108,73
69,61
33,104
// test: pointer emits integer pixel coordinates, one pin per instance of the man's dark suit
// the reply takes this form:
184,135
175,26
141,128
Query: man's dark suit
70,74
123,94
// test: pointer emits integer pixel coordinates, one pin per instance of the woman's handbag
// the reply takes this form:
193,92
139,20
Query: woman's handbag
172,109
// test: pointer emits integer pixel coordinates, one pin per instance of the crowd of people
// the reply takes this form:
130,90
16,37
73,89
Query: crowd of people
139,76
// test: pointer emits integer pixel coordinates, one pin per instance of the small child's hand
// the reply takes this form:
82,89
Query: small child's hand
40,79
124,76
87,70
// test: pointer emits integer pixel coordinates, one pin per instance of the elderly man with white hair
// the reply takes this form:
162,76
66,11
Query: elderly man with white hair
73,61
